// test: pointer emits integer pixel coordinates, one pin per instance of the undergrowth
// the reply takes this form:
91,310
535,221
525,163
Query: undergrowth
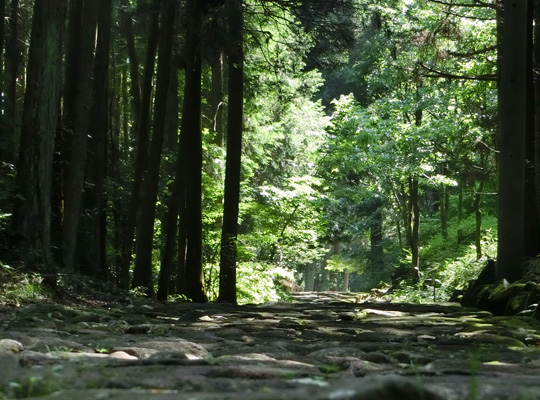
18,286
447,265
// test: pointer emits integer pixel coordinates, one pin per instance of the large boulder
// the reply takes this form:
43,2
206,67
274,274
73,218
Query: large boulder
502,297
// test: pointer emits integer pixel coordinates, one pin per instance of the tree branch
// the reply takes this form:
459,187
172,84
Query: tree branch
440,74
473,53
476,4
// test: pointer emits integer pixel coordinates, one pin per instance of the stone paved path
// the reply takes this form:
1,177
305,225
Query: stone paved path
320,347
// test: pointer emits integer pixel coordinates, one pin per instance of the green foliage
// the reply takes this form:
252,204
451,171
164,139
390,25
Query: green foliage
448,265
312,175
30,385
411,116
280,224
346,263
260,283
330,368
34,386
18,287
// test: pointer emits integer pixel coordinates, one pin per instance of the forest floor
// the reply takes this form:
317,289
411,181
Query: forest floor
320,346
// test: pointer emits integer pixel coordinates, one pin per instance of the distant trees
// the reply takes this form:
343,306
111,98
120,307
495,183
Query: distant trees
418,131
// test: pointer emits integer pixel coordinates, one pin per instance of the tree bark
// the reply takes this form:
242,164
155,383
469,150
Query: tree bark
376,236
11,75
443,209
141,160
216,95
91,247
31,218
478,220
309,277
536,85
78,100
512,114
193,160
532,227
229,232
346,275
4,137
166,284
414,222
181,281
133,65
460,234
142,274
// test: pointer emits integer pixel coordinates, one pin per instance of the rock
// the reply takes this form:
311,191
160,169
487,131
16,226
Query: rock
122,355
345,351
46,344
501,294
151,347
10,346
518,302
486,277
412,358
378,358
316,348
139,329
9,367
461,366
137,352
387,388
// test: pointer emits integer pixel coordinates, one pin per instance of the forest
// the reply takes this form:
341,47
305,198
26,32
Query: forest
237,150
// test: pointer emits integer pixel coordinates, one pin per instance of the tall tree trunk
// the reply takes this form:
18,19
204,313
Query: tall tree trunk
134,64
91,249
512,114
11,75
309,277
166,284
2,34
78,100
414,223
324,284
216,94
376,236
124,114
531,234
114,152
32,209
460,234
346,275
141,161
443,209
478,220
536,85
414,211
193,167
181,281
174,228
142,274
4,137
229,232
175,235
